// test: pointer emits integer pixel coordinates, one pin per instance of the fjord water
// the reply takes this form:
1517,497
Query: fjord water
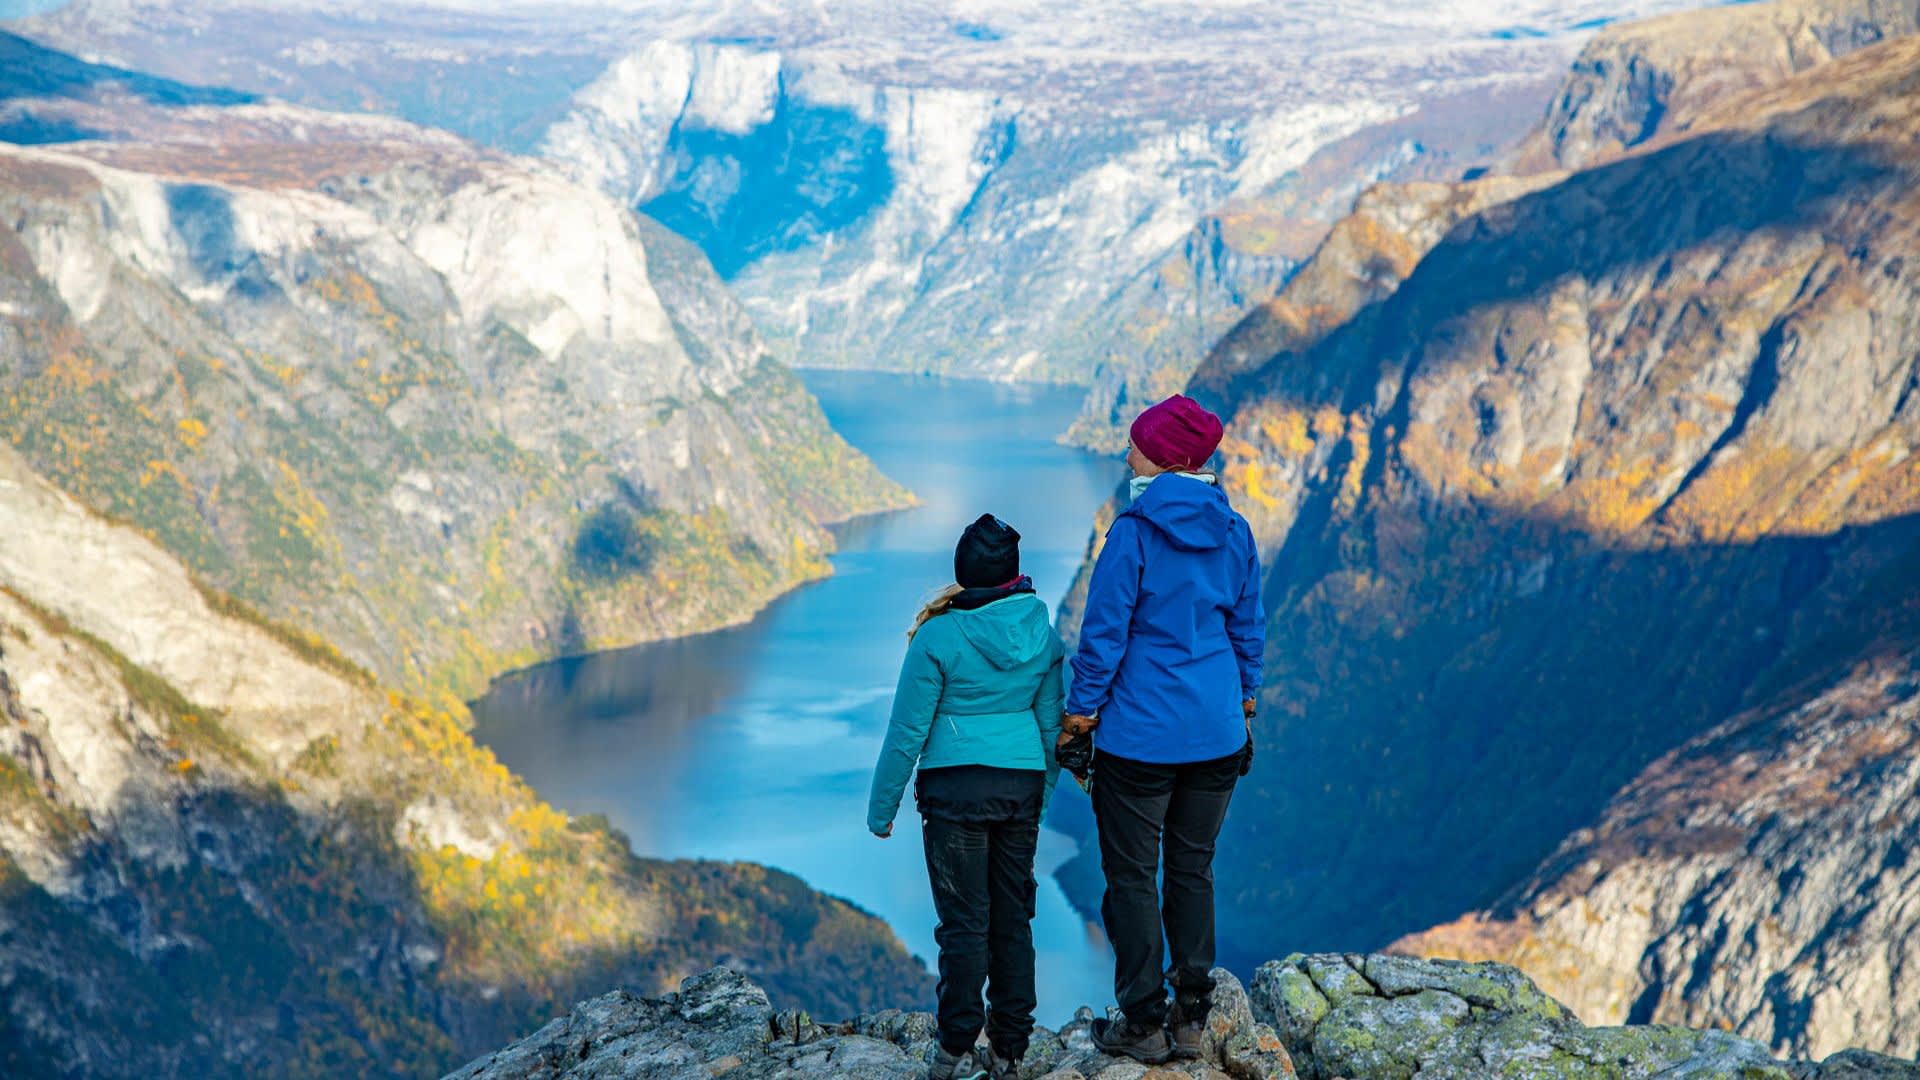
758,743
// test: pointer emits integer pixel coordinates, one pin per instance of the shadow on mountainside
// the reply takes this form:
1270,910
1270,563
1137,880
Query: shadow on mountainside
31,70
1453,687
290,945
1430,741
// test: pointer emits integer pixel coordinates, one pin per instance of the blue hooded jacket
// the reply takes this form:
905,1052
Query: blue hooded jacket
1171,640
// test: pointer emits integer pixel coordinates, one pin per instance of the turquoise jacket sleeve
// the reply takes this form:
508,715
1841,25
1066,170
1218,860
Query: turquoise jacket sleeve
1247,627
1047,705
1108,619
915,701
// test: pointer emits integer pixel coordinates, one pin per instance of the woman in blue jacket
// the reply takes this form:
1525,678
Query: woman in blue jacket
978,711
1166,677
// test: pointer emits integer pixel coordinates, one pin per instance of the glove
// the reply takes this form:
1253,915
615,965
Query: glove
1075,754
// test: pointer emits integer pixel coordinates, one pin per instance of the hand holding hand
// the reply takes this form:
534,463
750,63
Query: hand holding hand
1075,724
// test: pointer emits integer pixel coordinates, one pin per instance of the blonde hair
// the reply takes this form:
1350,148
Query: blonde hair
935,605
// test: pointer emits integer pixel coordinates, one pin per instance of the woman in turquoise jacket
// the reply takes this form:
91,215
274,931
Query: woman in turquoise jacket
978,712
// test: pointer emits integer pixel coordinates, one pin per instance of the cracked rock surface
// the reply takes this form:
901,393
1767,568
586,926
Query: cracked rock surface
1327,1016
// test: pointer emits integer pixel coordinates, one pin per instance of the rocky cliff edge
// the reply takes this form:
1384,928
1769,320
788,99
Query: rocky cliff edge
1315,1017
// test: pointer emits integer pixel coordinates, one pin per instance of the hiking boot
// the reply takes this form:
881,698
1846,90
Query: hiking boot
1187,1031
947,1066
1124,1038
1000,1067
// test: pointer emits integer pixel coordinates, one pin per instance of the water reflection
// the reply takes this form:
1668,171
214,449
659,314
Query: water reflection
553,724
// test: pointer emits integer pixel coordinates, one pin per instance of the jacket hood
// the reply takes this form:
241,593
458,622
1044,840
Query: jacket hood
1008,632
1192,514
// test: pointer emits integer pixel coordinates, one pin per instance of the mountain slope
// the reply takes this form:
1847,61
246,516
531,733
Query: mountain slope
438,405
1760,876
1651,77
1601,469
225,852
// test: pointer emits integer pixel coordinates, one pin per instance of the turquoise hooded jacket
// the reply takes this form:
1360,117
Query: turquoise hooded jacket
978,687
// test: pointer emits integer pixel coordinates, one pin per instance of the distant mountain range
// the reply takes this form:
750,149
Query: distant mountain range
1006,192
1589,513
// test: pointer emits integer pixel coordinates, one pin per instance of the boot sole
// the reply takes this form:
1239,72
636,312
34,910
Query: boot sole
1142,1056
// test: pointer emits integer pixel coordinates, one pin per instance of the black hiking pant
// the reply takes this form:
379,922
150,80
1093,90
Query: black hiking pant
983,891
1143,811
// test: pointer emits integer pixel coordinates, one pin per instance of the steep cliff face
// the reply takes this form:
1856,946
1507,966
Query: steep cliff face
1312,1017
448,410
224,851
1605,466
1760,876
1651,77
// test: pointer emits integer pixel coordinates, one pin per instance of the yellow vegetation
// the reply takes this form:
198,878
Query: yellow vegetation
192,432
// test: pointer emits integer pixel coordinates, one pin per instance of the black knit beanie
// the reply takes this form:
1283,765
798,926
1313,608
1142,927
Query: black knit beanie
988,554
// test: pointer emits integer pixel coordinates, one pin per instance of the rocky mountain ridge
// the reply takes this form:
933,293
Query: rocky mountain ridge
957,211
225,851
1314,1017
1634,80
1558,472
439,405
899,185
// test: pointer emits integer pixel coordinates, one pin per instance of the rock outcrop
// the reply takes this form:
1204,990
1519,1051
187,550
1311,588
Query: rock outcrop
442,407
1313,1017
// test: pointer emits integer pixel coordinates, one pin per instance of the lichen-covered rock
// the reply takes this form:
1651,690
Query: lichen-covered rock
1401,1018
1376,1018
1860,1065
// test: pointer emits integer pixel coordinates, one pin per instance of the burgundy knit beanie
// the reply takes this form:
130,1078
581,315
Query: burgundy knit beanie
1177,434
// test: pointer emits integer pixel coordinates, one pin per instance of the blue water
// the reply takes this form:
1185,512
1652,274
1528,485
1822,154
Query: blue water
758,743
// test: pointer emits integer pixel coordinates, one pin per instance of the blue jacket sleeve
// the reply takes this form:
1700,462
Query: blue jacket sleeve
915,701
1108,620
1247,625
1047,705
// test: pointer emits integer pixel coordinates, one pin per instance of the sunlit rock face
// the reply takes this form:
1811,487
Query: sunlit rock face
444,406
